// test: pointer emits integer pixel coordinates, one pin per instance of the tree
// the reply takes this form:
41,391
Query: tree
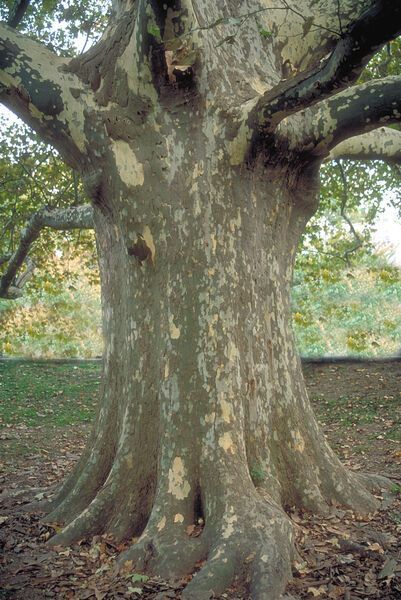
199,132
33,179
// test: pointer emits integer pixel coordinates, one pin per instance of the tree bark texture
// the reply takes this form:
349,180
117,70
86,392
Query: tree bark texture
199,203
204,412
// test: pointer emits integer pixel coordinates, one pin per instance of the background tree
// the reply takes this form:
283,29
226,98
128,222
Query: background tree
33,179
199,140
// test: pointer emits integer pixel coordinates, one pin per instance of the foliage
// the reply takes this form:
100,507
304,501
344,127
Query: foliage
59,24
61,317
336,239
31,176
359,186
31,173
353,311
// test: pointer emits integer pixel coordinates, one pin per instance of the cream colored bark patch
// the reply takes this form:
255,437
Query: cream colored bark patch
229,526
213,321
177,484
147,236
210,418
232,351
226,410
161,524
178,518
129,168
226,442
174,331
299,442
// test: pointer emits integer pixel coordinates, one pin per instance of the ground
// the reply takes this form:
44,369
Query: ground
45,409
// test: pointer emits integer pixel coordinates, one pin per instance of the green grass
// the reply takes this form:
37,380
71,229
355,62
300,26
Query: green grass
54,394
351,411
350,312
34,393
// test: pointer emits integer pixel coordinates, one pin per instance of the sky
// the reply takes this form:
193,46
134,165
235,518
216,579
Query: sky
388,234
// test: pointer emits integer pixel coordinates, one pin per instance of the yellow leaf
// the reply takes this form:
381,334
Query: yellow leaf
337,592
316,592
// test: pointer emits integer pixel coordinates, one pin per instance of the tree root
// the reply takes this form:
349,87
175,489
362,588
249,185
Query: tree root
170,556
375,483
251,545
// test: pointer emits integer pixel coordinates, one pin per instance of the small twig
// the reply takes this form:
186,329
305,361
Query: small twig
290,8
244,17
359,241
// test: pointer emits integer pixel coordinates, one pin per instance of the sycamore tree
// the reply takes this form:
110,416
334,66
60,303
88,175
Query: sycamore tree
199,130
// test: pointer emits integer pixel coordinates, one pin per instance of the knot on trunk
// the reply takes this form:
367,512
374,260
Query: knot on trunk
140,250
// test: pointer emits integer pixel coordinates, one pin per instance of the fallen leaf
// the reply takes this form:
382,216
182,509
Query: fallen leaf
316,592
388,569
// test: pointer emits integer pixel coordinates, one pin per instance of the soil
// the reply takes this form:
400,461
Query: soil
343,556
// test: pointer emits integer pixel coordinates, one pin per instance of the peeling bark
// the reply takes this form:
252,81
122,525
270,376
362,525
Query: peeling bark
379,144
202,384
378,24
361,108
203,418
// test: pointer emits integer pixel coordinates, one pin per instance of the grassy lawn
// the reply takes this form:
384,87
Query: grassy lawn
48,394
359,411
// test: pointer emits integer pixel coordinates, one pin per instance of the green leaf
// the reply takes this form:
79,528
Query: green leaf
154,30
138,578
265,33
49,5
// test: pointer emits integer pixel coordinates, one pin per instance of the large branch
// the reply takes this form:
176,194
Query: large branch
62,219
380,23
358,110
381,144
17,12
35,84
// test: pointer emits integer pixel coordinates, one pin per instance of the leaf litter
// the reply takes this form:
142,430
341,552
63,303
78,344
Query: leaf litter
343,556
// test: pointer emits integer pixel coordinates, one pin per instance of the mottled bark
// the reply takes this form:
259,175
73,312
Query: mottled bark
357,43
204,411
204,418
380,144
361,108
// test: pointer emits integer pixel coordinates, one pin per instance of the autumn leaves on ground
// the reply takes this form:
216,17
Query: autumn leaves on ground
45,412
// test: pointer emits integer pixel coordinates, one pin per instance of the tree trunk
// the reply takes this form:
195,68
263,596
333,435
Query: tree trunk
204,416
199,130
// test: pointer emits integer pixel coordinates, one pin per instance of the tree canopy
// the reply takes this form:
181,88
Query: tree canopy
32,175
